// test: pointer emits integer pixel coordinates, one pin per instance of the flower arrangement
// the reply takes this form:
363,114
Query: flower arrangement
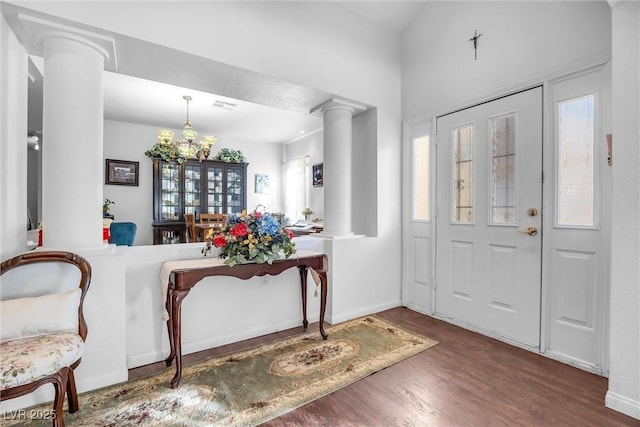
307,213
251,238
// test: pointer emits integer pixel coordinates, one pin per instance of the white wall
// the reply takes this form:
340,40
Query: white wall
624,376
127,141
310,145
520,41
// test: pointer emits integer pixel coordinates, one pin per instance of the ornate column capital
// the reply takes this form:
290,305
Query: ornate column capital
338,104
32,31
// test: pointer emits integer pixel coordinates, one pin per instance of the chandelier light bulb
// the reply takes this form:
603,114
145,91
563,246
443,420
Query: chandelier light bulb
187,147
165,136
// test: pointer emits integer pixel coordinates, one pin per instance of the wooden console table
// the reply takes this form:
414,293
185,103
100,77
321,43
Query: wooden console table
187,276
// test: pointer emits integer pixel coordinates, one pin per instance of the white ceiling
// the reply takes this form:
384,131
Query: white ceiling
394,15
137,100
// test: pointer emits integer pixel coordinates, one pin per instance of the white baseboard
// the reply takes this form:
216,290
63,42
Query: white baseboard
622,404
420,309
343,317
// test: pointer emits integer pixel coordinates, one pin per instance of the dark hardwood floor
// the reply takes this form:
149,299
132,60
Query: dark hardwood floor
466,380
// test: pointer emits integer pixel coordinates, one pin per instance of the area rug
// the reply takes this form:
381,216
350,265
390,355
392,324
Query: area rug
251,386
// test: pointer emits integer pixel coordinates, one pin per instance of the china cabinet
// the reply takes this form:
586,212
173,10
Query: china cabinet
207,186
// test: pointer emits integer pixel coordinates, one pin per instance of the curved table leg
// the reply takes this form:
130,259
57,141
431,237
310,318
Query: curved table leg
172,354
303,283
323,301
176,303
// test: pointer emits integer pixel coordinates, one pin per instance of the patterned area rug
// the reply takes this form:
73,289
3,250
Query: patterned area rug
255,385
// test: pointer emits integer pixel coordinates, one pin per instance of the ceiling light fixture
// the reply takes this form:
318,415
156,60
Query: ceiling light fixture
224,105
187,147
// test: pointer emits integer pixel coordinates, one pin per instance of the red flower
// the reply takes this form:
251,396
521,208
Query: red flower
257,214
240,230
289,233
219,241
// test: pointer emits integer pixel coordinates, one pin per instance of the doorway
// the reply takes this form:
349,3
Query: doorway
489,227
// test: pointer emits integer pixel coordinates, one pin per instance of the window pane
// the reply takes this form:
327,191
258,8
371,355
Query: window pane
421,178
295,188
575,156
503,169
462,185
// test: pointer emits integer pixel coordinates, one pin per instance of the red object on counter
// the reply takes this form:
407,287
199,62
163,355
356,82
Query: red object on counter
40,236
106,235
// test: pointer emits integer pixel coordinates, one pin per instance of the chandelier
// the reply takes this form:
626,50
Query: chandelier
187,147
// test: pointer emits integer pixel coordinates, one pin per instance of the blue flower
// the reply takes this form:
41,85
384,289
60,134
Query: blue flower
268,226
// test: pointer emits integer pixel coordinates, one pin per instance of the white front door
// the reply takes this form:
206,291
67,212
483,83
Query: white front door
488,224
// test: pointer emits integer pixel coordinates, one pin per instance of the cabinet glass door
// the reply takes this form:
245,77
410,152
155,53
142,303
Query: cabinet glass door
235,186
214,189
170,192
192,192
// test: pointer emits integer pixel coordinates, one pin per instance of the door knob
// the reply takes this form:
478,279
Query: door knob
531,231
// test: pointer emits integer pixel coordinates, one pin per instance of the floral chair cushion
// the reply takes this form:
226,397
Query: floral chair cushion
28,359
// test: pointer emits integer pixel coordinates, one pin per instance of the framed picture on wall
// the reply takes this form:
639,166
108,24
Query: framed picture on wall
262,184
317,174
121,172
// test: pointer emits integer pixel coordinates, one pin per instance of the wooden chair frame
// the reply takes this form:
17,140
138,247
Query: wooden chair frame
63,381
190,223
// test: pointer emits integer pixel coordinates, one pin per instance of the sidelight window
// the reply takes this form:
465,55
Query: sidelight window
575,161
420,199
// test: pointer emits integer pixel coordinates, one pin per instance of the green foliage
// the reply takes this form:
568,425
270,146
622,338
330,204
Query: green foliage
106,205
229,155
166,152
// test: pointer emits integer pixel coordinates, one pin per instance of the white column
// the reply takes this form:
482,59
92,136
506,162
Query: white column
337,115
73,130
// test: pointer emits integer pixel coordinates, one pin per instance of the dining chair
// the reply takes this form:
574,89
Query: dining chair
43,326
123,233
190,223
213,219
210,223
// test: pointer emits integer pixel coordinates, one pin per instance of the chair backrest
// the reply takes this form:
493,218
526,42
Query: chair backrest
37,265
217,219
123,233
190,223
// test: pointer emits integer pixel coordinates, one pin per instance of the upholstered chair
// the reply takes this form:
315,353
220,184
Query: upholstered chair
42,325
123,233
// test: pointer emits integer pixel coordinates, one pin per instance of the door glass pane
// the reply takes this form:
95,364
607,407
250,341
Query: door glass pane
462,179
420,186
192,189
575,157
503,170
170,191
